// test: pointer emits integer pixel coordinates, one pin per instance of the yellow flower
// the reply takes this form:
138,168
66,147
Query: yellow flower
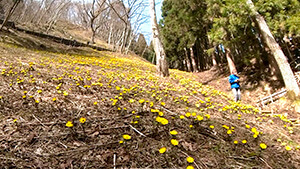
164,121
69,124
163,103
247,126
37,101
263,146
159,119
199,118
253,130
118,88
131,101
211,126
244,141
173,132
160,113
82,120
207,116
121,141
65,93
236,142
181,117
174,142
188,114
162,150
126,137
39,91
95,103
151,104
190,159
288,148
229,132
189,167
141,101
54,99
191,126
226,127
194,114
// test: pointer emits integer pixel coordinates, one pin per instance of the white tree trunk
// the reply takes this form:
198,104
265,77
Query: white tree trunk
284,67
195,69
187,60
231,64
161,62
46,11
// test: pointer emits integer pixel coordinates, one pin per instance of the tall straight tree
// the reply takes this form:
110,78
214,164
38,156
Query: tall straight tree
284,67
161,62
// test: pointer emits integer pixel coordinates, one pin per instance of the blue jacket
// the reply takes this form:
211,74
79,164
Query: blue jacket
233,78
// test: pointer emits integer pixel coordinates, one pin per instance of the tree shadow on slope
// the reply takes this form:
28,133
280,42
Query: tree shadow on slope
41,44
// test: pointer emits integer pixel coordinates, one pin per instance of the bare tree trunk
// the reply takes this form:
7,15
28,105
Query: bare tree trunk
231,64
23,14
187,60
195,69
10,12
161,62
44,13
110,33
214,60
57,14
124,38
285,68
34,15
129,44
153,59
144,50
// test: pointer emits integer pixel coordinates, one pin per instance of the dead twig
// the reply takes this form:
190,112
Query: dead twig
38,120
137,130
265,162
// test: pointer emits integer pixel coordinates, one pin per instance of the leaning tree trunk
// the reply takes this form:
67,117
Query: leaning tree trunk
231,64
284,67
10,12
161,62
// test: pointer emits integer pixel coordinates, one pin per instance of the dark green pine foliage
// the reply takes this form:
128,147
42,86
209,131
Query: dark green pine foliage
182,27
206,25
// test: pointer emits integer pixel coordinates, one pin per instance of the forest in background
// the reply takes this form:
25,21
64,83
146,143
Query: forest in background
115,22
196,33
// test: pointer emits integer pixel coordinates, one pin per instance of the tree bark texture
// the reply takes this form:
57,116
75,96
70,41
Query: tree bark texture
194,64
231,64
161,62
10,12
187,61
284,67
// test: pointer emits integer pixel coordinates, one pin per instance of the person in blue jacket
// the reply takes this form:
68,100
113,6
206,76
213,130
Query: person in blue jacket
235,85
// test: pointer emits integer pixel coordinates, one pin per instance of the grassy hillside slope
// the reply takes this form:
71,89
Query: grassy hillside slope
94,109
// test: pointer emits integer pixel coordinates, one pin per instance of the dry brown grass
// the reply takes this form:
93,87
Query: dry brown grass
100,86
